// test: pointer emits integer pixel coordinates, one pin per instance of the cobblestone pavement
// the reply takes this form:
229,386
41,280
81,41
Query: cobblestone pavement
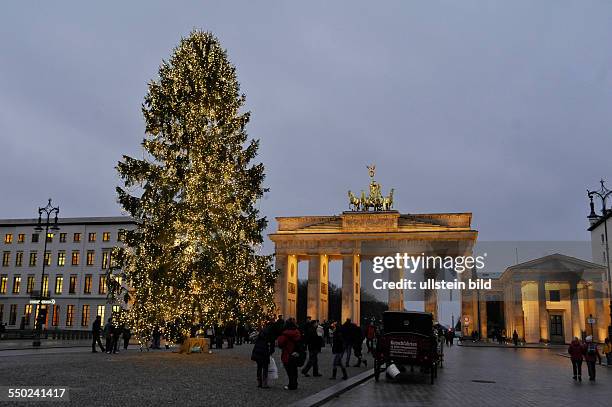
133,378
487,376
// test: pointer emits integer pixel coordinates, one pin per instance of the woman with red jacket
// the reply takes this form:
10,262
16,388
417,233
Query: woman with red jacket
287,342
576,350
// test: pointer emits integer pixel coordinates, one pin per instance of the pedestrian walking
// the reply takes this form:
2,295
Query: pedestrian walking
95,334
575,350
127,334
338,349
591,355
370,335
314,343
347,332
515,338
288,342
108,335
262,351
358,338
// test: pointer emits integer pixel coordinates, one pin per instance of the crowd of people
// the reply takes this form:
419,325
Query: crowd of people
112,333
301,345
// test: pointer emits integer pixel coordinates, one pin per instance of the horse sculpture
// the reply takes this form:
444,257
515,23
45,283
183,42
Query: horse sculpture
388,201
354,202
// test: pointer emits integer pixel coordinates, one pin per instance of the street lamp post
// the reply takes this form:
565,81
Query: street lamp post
47,210
603,193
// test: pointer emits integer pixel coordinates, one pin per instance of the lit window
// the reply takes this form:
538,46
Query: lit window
16,284
59,284
8,238
18,259
116,309
90,257
47,258
121,235
102,284
62,237
69,315
56,311
21,238
87,287
49,237
46,286
27,312
85,316
72,286
34,237
61,259
30,285
76,258
3,283
77,237
92,237
106,236
101,309
33,257
105,259
6,259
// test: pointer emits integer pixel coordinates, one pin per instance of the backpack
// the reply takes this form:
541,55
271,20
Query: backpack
591,349
299,353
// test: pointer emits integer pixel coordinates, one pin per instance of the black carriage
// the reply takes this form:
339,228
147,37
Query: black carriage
408,340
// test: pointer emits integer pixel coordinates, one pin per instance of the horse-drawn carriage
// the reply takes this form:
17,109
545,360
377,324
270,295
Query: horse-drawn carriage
407,340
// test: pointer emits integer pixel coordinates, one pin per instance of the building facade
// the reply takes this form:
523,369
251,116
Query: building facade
550,299
77,258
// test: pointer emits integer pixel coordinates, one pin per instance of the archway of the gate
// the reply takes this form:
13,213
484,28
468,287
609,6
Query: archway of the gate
354,239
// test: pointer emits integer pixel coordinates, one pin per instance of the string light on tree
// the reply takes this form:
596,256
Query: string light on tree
193,257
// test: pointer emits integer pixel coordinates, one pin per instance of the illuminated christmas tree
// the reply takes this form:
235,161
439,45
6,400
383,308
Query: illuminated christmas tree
193,257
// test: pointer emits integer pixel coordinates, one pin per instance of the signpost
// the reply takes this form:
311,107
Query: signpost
591,321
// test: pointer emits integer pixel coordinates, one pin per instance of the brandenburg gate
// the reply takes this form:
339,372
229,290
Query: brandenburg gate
370,228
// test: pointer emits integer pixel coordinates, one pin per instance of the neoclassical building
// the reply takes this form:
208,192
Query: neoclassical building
352,238
549,299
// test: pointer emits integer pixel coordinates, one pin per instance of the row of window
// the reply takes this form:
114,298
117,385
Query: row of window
75,259
76,237
53,314
59,284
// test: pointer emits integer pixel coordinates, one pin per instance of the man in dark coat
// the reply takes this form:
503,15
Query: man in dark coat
95,334
348,332
338,349
263,349
313,342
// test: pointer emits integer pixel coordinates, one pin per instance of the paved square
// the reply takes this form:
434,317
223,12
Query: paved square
521,377
133,378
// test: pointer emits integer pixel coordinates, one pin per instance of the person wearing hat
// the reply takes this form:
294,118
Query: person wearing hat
576,350
591,355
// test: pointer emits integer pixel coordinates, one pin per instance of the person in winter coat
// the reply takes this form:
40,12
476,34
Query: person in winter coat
575,350
338,348
591,355
347,332
263,349
313,341
95,334
108,334
370,335
357,346
287,341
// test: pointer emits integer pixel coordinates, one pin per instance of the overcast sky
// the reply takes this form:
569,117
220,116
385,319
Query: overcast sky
499,108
